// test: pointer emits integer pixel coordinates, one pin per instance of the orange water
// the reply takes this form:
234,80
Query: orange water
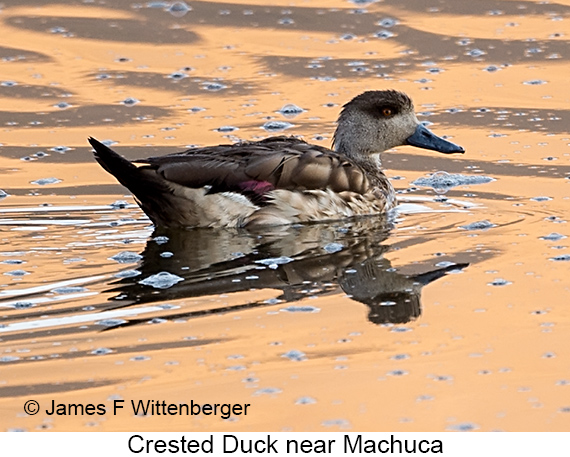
484,347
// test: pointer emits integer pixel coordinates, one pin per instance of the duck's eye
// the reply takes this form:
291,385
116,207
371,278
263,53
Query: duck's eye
387,111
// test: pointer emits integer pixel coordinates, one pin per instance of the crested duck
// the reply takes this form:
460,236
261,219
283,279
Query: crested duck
279,180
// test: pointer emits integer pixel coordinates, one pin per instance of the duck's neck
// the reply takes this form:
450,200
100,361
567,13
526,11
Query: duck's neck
358,138
369,160
352,146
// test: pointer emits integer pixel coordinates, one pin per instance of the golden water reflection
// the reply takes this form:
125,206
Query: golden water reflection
450,318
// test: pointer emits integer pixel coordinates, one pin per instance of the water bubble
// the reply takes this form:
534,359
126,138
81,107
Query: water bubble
295,355
69,290
119,204
226,129
300,309
290,110
401,329
387,22
177,75
17,273
476,53
101,351
553,237
400,357
275,126
499,282
478,225
162,280
139,358
179,9
534,82
126,257
273,262
267,391
127,274
130,101
213,86
331,248
463,427
46,181
561,258
305,401
442,180
9,358
384,34
341,423
111,322
397,373
23,305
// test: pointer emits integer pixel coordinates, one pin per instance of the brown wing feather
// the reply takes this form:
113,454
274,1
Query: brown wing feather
282,162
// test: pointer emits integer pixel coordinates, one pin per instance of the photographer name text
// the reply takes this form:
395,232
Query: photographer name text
149,408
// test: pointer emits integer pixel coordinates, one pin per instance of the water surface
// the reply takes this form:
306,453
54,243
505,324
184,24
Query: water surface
453,315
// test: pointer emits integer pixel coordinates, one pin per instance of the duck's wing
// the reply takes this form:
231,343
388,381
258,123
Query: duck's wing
258,167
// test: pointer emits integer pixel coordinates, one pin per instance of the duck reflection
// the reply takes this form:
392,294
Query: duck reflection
300,262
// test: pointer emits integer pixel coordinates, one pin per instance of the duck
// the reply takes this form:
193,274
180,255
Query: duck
279,180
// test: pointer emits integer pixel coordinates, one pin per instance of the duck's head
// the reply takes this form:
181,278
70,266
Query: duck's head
382,119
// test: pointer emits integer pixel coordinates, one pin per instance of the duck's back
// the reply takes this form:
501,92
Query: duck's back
279,180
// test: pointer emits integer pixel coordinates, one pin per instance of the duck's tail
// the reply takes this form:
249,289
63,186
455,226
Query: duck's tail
123,170
134,178
151,192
